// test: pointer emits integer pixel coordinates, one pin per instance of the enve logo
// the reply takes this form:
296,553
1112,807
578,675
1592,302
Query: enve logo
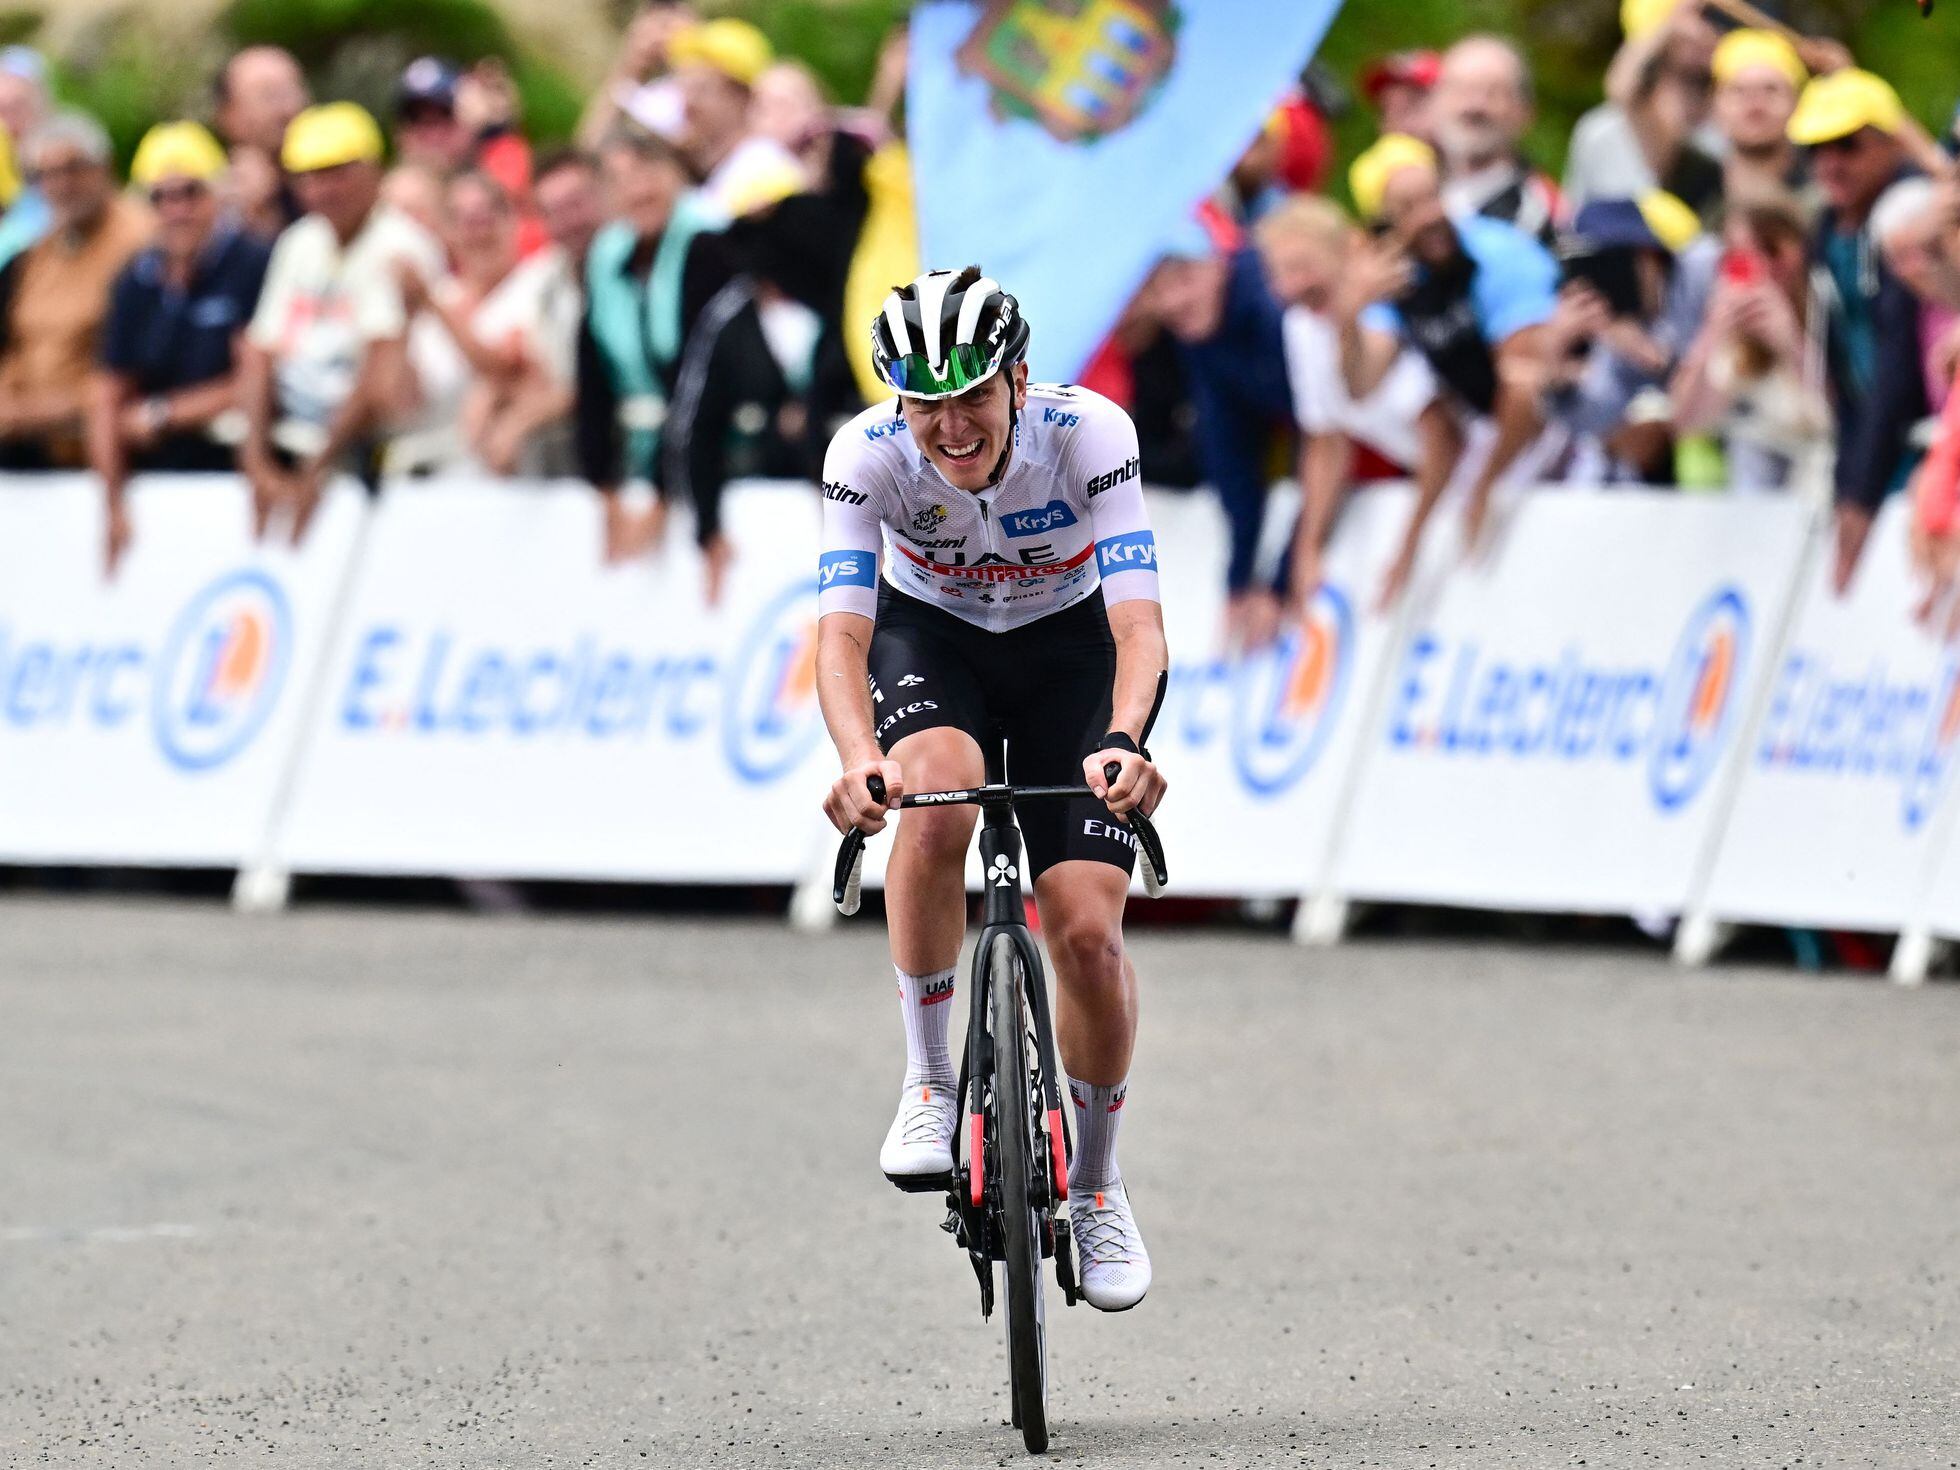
1288,697
1698,698
770,698
1927,777
220,670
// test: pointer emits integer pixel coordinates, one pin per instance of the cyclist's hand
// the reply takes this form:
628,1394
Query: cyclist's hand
1138,784
849,803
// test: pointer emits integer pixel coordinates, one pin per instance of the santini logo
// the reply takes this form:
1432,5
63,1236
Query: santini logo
1115,477
844,494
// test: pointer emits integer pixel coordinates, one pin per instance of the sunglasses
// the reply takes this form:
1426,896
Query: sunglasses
73,168
914,373
184,193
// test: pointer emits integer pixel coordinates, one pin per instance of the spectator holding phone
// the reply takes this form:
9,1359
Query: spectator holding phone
1753,376
1474,296
1852,122
1636,277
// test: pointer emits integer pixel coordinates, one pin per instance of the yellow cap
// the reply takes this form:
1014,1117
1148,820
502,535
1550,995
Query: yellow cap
1738,51
732,47
9,176
1369,174
1643,17
328,136
1838,105
176,150
1673,223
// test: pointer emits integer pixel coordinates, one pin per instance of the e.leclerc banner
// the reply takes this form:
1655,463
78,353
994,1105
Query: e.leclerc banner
1059,143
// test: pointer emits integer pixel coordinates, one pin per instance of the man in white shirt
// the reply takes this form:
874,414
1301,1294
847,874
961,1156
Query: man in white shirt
1307,244
324,370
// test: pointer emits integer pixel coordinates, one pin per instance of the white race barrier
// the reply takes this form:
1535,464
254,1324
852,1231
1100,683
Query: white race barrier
1557,719
1833,825
1632,703
499,703
146,719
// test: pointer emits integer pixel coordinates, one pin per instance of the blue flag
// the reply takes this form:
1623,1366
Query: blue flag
1060,144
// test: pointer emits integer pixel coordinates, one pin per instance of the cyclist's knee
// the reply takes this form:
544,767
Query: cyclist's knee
1087,946
938,837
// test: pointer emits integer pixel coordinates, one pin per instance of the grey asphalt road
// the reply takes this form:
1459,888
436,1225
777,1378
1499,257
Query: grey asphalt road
365,1188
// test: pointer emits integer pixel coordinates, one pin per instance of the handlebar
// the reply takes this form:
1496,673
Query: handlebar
845,890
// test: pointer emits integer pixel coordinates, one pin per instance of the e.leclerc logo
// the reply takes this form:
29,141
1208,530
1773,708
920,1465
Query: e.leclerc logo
1865,724
1289,696
1466,702
220,670
759,703
208,686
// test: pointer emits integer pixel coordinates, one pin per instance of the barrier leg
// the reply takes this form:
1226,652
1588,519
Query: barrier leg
1321,920
1913,957
1699,938
810,908
265,884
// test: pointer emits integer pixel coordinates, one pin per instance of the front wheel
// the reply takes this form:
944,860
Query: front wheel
1014,1115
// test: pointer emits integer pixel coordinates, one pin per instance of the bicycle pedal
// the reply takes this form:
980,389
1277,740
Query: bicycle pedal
922,1183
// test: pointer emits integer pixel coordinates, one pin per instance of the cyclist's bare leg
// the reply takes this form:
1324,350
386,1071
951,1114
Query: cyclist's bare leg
1095,984
925,885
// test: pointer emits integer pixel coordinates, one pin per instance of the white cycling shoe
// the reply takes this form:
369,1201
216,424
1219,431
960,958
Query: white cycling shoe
1114,1265
918,1151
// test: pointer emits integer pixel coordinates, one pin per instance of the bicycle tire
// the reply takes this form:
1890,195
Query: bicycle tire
1027,1329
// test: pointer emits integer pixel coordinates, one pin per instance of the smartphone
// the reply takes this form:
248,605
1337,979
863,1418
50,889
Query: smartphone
1609,271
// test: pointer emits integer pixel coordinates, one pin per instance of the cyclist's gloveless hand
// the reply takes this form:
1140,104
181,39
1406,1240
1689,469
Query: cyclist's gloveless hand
849,803
1138,784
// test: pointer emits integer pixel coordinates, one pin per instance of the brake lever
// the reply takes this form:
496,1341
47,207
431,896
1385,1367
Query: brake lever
847,882
1150,847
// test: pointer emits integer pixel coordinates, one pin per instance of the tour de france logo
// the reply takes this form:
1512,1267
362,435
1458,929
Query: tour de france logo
220,670
1082,69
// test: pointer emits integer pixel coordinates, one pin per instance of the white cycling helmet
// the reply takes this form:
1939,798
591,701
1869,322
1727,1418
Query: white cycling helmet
945,332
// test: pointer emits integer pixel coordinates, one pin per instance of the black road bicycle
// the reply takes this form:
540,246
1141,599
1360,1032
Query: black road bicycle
1007,1196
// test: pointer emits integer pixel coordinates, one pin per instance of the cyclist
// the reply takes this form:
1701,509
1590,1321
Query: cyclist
1019,590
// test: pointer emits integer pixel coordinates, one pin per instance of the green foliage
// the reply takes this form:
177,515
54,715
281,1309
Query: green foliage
837,39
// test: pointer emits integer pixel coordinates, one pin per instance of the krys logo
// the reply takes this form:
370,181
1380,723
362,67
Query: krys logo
1281,705
1867,724
1461,699
757,699
220,670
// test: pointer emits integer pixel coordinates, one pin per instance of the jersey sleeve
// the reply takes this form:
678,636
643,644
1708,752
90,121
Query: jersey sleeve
1126,548
847,562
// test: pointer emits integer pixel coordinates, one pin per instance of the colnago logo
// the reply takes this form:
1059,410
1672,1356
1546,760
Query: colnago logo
1060,416
1050,517
1279,707
842,494
210,684
1133,551
1128,470
1470,703
1865,725
758,702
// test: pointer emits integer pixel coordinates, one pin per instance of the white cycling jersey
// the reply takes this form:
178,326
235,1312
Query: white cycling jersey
1068,515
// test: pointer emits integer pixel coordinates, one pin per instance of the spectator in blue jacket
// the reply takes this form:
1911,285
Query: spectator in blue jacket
1217,306
1851,122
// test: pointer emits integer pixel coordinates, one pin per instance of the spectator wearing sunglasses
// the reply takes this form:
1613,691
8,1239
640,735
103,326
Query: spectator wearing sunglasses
55,295
165,393
1852,123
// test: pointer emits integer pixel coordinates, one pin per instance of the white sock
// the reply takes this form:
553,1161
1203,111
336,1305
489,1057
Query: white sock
926,1004
1097,1112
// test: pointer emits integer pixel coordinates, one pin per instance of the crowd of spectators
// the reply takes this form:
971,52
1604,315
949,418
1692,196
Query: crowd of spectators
1748,281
